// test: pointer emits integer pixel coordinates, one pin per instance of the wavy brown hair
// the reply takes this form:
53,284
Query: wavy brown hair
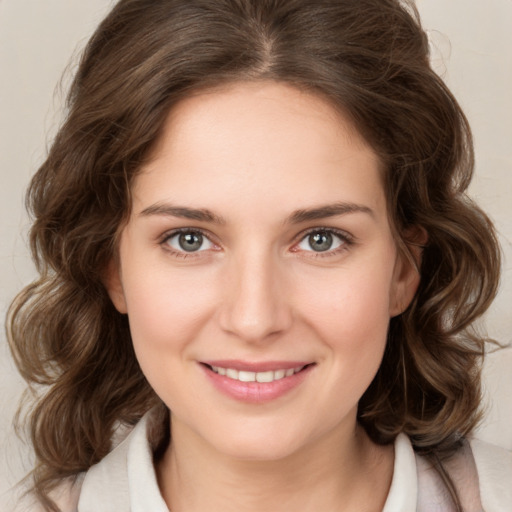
368,58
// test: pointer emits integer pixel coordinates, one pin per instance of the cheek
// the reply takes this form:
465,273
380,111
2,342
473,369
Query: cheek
349,311
166,310
352,300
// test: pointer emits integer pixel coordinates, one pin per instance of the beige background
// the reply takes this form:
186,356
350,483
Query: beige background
472,50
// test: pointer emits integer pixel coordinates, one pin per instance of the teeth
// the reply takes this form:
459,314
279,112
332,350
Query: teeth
265,376
246,376
243,376
279,374
232,374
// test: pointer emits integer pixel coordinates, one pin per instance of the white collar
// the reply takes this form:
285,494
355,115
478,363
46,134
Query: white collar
125,480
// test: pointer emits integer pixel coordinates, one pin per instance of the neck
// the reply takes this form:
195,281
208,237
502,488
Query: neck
343,471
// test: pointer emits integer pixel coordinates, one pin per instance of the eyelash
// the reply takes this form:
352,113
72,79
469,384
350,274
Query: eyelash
183,254
347,240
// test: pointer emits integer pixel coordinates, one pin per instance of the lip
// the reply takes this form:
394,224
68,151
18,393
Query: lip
256,392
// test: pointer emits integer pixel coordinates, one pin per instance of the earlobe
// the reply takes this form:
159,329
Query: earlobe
114,286
407,277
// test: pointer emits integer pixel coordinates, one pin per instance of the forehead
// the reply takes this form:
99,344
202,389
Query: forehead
258,140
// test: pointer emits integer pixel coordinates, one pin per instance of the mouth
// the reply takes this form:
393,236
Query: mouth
254,382
257,376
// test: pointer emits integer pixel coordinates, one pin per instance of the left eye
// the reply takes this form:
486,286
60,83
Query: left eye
321,241
189,241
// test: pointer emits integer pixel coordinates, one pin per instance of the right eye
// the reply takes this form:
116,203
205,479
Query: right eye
188,241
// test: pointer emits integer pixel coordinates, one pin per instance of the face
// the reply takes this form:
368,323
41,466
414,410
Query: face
258,270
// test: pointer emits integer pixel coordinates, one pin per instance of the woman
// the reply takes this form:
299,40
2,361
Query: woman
255,246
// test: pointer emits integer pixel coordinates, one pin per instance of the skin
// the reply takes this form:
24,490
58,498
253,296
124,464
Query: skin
255,154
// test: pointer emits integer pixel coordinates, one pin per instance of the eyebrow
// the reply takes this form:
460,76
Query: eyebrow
329,210
297,217
200,214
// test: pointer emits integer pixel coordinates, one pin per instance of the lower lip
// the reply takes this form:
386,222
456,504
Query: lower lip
256,392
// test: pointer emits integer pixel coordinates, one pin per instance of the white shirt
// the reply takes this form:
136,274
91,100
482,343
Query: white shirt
125,480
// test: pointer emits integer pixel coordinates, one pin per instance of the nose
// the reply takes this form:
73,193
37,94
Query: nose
255,306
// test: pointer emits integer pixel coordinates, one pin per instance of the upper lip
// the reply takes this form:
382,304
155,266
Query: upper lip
256,366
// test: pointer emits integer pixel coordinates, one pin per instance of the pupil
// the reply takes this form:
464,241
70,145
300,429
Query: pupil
320,241
190,241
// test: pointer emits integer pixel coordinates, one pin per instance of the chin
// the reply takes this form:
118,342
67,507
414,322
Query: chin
261,444
264,451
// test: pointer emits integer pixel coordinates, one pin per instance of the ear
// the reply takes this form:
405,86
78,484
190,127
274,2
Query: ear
114,286
406,276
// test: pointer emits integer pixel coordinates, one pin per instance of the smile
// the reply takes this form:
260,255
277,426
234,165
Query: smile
246,376
256,383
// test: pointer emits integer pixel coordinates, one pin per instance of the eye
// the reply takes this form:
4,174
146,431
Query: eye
188,241
323,240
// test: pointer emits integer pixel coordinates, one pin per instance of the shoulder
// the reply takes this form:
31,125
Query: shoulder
494,468
104,486
480,472
66,496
